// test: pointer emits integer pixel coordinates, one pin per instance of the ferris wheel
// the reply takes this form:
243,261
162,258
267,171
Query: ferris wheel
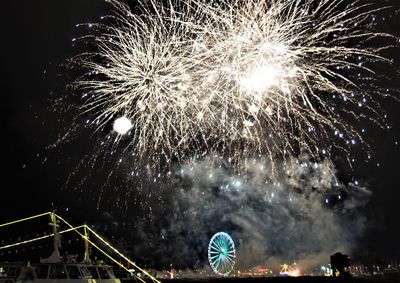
221,253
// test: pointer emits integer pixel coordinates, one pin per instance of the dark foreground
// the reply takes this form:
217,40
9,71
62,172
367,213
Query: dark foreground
305,279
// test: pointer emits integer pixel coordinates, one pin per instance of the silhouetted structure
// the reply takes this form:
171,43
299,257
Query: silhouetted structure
340,262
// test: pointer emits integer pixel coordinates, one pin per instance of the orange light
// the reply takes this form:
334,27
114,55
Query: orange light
294,273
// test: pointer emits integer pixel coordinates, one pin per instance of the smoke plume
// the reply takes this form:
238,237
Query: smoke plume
303,214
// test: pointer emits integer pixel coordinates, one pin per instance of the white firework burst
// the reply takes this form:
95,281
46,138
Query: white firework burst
141,71
236,77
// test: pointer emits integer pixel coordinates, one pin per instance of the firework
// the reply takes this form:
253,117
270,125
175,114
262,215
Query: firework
236,78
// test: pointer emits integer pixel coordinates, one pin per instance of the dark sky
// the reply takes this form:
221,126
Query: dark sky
36,37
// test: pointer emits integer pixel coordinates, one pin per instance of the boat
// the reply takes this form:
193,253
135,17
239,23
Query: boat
60,272
58,269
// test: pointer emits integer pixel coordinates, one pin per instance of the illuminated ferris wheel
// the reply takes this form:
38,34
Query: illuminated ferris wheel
221,253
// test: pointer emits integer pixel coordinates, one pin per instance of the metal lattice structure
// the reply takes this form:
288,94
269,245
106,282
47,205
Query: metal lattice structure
221,253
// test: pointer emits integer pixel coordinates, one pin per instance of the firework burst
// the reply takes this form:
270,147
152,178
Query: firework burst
235,78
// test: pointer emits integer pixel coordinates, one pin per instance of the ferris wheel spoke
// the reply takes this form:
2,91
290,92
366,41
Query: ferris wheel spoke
215,265
229,259
222,267
215,248
217,259
215,256
230,266
217,243
218,263
221,253
214,260
222,263
226,266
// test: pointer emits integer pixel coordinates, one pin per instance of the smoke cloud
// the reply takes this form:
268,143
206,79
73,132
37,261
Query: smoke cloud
296,212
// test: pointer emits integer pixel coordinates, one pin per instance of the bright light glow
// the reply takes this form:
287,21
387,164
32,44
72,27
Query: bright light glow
221,253
122,125
294,273
262,78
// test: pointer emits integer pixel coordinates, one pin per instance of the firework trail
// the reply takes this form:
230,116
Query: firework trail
235,78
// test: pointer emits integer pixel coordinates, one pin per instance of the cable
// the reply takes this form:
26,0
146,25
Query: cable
37,239
94,245
121,255
24,219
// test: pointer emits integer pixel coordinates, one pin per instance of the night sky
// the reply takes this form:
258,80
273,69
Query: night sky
37,38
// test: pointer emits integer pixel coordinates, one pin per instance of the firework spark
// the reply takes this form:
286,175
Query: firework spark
236,78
